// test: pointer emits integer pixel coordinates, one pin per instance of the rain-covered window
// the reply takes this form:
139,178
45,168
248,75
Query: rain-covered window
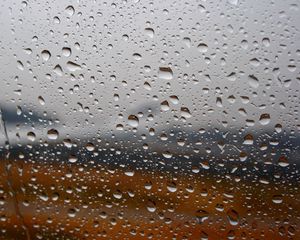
137,119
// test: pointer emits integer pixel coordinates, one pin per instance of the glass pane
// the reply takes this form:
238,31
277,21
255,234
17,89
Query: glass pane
134,119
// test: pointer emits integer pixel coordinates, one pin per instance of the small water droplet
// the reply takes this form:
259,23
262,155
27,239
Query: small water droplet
31,136
52,134
70,10
202,47
165,73
46,55
149,32
133,121
72,67
66,51
265,119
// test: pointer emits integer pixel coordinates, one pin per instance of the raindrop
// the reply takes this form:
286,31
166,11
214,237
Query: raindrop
137,56
52,134
20,65
202,47
164,106
72,67
187,42
233,217
253,81
151,206
265,119
232,77
174,99
66,52
70,10
41,100
149,32
46,55
72,158
31,136
185,112
58,70
165,73
133,121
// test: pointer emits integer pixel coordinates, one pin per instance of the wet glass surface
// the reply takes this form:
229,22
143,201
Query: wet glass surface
149,119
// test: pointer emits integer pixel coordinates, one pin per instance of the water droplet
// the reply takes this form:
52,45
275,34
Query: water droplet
90,147
72,67
172,187
70,10
202,47
232,77
149,32
253,81
71,212
133,121
44,197
277,199
151,206
66,52
117,194
52,134
165,73
72,158
265,119
31,136
147,86
174,99
248,139
254,62
266,42
137,56
164,106
187,42
129,173
46,55
167,154
233,217
58,70
185,112
20,65
41,100
202,215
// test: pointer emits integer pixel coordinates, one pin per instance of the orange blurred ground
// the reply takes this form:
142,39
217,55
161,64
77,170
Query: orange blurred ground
74,202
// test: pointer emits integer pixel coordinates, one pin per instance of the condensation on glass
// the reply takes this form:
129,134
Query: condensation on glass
155,119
